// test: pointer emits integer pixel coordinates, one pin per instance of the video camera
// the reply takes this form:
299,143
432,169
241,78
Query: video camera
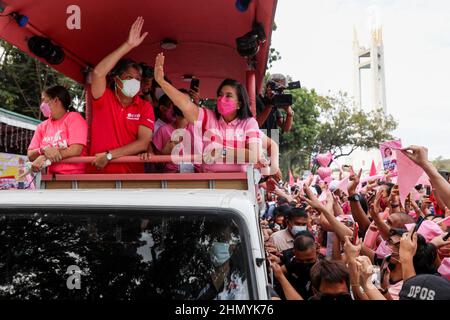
280,99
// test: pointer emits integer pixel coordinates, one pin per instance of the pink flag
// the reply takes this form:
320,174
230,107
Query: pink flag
373,169
298,181
408,175
424,180
291,178
343,185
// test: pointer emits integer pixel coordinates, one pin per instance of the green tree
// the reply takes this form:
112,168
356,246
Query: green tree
274,55
23,78
296,145
345,128
442,164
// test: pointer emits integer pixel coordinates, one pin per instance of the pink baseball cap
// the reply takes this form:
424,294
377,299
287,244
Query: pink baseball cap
444,269
428,229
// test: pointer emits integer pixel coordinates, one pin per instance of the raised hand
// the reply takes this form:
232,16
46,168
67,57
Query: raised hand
352,251
135,38
354,181
408,246
159,68
417,154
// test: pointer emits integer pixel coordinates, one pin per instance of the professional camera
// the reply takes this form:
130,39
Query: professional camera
280,99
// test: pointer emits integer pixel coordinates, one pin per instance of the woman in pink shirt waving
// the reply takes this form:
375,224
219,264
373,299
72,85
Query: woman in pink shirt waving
62,136
230,135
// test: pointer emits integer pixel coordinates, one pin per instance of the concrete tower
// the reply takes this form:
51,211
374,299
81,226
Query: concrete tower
370,58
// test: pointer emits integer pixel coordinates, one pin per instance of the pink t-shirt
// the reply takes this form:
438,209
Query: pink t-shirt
164,135
62,133
218,133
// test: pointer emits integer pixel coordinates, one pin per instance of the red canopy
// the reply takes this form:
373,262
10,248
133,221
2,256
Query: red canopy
205,31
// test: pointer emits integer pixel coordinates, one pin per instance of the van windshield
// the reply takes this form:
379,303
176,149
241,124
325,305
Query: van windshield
65,254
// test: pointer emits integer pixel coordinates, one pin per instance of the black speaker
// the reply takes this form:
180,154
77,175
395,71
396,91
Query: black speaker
44,48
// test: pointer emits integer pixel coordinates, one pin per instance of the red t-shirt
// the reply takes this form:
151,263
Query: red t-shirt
114,126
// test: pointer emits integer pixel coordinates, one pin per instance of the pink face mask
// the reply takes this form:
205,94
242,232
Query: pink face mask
226,106
383,250
45,109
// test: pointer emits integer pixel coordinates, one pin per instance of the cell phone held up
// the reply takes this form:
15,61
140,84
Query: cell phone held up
195,84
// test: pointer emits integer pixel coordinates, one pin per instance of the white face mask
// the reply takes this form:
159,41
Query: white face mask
297,229
159,93
220,253
130,87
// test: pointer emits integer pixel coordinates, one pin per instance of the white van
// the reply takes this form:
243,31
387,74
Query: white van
131,244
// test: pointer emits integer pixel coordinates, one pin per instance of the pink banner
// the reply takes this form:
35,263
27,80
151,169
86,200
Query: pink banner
408,175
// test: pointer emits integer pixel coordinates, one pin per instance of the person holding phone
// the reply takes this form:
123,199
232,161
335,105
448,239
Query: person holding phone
230,136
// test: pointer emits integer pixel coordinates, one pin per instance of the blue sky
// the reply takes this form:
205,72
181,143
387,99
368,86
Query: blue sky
315,38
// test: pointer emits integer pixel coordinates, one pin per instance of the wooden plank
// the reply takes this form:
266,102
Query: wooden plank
231,184
96,184
188,184
141,184
58,185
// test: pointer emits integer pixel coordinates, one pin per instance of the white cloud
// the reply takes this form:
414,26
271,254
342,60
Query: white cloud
315,41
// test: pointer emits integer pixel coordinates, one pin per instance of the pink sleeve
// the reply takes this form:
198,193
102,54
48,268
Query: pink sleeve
148,117
210,116
76,129
252,132
37,138
160,138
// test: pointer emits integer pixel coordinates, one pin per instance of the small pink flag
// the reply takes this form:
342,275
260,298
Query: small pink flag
343,185
408,175
424,180
291,178
373,169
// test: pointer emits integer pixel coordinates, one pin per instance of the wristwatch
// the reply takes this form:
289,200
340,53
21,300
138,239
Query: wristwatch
355,197
109,155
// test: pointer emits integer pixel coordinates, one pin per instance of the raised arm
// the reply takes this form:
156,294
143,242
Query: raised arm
339,228
190,110
357,211
107,64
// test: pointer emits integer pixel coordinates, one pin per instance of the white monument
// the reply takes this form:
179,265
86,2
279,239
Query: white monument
370,58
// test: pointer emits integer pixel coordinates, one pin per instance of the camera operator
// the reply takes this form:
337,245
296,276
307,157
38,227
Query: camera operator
269,116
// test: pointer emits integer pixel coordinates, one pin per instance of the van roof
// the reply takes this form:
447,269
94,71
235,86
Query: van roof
205,30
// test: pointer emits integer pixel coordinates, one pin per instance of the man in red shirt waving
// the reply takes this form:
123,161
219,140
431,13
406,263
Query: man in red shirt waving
122,122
